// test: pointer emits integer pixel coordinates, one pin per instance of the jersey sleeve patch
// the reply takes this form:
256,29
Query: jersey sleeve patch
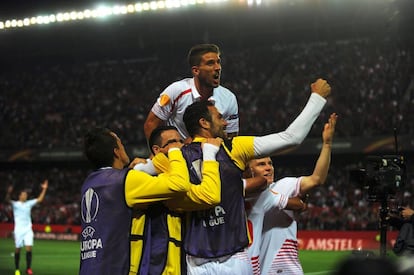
164,100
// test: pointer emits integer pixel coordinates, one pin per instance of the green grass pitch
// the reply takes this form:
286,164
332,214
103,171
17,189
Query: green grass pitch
62,258
49,257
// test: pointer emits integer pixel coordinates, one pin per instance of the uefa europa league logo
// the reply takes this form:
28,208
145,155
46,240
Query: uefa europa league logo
89,205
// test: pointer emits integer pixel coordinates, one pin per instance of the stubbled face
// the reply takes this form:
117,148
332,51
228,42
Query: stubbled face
168,137
218,123
23,196
209,70
123,156
263,167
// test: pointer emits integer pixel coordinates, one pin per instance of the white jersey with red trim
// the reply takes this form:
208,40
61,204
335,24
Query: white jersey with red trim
173,101
255,209
279,248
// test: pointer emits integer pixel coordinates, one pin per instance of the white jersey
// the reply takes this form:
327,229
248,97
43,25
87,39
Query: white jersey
279,248
173,101
256,208
22,214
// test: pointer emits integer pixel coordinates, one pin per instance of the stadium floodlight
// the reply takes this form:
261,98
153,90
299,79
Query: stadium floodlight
124,9
73,15
116,10
59,17
66,16
172,4
153,5
80,15
161,4
146,6
39,20
184,3
52,18
130,8
87,13
104,11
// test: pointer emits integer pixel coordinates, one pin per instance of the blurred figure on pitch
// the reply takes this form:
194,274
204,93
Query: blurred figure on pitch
274,249
23,232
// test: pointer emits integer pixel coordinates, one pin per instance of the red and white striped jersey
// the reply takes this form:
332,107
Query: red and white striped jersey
279,246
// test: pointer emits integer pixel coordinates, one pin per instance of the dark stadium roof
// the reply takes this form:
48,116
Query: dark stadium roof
309,21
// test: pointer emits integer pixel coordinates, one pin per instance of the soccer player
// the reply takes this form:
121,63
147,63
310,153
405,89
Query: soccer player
109,195
23,232
275,247
162,226
205,64
216,240
257,204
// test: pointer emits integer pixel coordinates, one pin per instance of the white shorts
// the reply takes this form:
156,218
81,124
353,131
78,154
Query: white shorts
23,238
236,264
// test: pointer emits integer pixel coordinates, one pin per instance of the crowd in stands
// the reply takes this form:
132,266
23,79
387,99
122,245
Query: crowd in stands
50,105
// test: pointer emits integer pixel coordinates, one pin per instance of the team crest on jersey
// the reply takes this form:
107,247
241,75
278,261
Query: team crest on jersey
88,232
89,205
164,100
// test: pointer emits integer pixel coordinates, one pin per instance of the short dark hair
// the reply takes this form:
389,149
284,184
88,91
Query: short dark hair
99,145
197,51
155,137
193,113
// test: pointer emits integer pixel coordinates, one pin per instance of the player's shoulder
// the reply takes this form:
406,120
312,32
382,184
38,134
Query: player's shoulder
285,180
224,91
178,87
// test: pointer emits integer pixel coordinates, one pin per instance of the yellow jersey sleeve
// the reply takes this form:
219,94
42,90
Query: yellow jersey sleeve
203,195
141,188
161,163
241,151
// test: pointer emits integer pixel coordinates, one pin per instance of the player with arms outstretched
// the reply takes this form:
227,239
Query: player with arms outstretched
23,232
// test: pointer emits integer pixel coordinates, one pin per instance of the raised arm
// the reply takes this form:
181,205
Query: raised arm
7,199
42,194
299,128
320,172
